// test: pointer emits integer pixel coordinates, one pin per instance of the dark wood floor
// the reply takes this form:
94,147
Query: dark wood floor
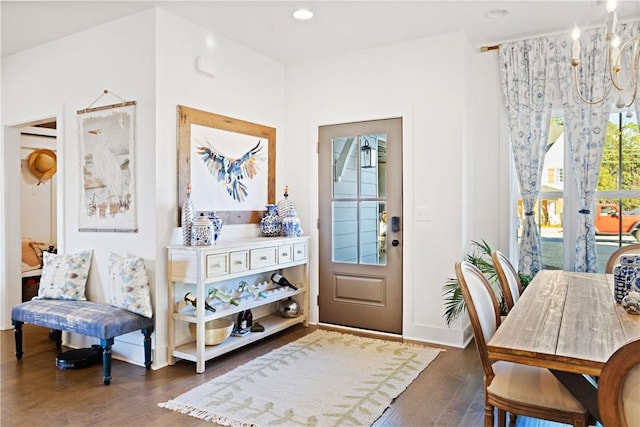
34,392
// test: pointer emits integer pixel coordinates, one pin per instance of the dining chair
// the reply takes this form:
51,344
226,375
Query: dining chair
619,387
512,387
508,278
633,248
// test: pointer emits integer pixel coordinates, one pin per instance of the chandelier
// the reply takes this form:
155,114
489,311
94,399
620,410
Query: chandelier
615,49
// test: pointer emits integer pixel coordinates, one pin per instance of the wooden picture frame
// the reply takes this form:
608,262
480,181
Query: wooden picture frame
192,121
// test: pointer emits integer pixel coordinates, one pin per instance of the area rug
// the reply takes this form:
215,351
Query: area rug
323,379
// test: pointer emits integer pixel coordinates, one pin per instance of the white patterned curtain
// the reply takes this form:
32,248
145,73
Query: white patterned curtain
631,30
528,74
585,128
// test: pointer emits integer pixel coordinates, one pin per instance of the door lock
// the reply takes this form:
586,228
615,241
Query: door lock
395,224
395,242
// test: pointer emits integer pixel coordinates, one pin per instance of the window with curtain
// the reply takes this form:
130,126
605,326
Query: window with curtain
617,206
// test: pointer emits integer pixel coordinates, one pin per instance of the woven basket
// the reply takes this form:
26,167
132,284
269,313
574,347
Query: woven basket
215,331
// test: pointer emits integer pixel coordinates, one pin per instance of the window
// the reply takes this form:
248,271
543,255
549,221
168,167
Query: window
617,206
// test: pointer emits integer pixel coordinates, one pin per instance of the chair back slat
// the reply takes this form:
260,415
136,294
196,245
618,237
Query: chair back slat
633,248
508,278
482,307
619,387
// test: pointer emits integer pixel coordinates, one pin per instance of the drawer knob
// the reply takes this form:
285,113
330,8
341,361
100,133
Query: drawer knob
218,265
263,257
285,254
238,262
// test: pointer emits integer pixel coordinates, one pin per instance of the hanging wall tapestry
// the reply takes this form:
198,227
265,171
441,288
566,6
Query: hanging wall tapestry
228,163
107,137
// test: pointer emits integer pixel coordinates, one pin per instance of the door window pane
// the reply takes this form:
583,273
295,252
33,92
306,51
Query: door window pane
345,166
372,233
345,232
373,166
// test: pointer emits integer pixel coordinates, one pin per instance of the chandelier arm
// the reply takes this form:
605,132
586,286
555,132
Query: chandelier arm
635,85
575,80
613,74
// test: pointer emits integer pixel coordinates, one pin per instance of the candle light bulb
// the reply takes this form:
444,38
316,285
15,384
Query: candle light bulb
575,48
575,33
612,5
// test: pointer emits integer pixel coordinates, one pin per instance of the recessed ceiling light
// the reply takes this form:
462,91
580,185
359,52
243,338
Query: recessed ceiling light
496,13
303,14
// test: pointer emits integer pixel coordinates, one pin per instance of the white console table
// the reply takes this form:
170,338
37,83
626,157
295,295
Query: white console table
197,268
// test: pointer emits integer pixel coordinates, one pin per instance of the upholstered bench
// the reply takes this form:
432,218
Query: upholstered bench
86,318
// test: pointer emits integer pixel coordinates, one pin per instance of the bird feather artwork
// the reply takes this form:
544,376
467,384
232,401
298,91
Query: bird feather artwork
229,171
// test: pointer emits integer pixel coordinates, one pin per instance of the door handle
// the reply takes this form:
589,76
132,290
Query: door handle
395,242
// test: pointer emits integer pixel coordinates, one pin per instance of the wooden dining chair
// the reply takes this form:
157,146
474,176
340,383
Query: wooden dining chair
619,387
633,248
512,387
508,278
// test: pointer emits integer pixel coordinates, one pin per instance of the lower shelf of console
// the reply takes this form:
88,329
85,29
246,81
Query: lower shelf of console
272,323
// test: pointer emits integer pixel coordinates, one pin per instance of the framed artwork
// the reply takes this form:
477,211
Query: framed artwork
107,162
228,163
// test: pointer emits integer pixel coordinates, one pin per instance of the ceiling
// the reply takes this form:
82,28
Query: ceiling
337,27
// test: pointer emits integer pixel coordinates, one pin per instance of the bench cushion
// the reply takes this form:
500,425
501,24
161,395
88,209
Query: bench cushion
83,317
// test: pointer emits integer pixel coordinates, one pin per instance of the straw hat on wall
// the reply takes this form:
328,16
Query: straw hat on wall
42,164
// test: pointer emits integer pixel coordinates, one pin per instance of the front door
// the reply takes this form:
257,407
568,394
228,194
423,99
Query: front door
360,227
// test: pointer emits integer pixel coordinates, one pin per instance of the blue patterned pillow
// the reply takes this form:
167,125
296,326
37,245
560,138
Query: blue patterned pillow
129,284
64,276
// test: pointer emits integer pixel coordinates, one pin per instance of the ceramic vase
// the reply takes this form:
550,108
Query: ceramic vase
216,222
631,302
187,217
202,231
270,224
291,223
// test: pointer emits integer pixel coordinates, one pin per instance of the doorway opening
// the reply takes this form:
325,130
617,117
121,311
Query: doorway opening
30,207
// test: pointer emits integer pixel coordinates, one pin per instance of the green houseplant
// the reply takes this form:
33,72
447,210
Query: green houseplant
480,256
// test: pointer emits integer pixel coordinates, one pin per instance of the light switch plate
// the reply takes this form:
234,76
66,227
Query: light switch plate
423,213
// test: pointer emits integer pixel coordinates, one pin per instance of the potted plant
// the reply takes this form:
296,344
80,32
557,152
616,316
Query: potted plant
480,256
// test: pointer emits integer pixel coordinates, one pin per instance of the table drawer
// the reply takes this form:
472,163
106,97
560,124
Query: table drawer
217,265
263,257
285,254
299,251
239,261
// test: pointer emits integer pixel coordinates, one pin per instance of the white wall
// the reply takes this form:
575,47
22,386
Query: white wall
447,95
61,77
148,57
428,83
246,85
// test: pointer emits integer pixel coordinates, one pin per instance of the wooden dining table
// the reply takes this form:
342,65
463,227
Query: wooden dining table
569,323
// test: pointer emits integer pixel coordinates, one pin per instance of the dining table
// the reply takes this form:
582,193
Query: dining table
569,323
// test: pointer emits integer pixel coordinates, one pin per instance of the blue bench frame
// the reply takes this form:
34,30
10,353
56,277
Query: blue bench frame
90,318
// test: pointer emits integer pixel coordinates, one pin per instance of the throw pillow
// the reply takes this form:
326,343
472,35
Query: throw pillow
129,284
64,276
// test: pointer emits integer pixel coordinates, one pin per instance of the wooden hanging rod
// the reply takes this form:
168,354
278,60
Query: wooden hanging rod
488,48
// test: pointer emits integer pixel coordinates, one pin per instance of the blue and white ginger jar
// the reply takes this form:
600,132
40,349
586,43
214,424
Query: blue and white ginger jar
291,223
270,223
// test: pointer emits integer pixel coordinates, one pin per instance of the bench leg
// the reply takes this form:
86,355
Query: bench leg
106,360
18,336
56,335
147,346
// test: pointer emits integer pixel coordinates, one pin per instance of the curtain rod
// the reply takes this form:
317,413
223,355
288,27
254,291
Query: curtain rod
497,46
488,48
